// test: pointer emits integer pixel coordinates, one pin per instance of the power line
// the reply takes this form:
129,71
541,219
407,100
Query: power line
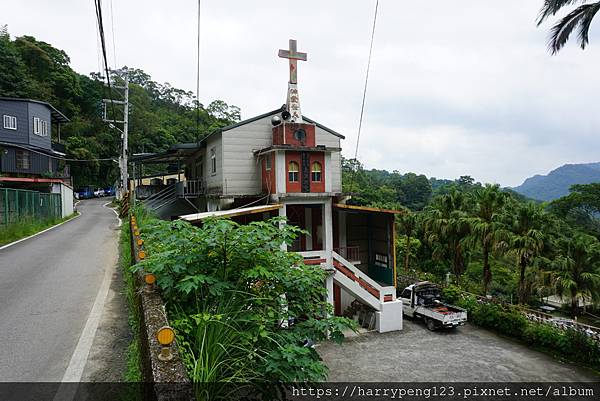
112,28
362,107
198,79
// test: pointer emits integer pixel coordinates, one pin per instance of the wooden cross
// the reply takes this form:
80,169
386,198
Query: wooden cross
293,55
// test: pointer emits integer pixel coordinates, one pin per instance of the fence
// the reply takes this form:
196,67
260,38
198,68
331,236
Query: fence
17,204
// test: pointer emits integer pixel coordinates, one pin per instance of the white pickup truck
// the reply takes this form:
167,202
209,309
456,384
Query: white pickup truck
424,301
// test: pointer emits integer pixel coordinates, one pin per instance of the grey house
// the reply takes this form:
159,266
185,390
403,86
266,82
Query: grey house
27,146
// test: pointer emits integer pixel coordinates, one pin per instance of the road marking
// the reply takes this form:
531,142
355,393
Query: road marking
114,210
41,232
80,355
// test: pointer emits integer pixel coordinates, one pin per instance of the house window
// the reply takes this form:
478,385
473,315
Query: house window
10,122
22,160
44,128
268,162
213,161
316,172
293,172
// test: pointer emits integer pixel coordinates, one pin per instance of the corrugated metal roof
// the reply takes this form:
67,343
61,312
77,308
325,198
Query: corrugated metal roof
195,217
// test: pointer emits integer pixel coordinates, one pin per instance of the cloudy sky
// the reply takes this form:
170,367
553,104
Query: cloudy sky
456,87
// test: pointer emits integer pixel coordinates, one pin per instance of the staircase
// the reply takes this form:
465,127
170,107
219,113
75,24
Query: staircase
388,310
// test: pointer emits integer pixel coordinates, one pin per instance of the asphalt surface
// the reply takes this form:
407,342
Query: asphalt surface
48,285
467,354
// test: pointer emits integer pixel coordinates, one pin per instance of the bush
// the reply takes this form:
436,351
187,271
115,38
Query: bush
241,306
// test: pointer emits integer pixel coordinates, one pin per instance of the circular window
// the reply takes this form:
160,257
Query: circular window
300,134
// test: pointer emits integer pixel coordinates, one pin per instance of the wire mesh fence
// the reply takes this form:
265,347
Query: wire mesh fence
18,205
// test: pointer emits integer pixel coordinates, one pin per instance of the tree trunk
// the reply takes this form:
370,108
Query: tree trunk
458,263
407,254
487,272
574,306
522,291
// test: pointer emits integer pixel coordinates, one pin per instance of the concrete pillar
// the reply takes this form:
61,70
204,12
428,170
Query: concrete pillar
308,225
283,213
328,231
342,228
280,172
329,284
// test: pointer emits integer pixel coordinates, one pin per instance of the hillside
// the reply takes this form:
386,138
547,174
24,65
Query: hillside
160,115
557,183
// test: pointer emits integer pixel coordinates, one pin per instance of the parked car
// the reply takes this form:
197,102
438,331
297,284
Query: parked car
85,193
99,192
109,191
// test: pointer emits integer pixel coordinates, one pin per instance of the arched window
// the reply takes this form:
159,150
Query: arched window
316,172
293,172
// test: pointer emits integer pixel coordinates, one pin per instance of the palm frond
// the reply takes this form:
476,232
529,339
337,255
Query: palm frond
582,16
551,7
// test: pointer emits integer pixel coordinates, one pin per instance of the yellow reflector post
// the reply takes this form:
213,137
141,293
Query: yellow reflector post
165,335
149,278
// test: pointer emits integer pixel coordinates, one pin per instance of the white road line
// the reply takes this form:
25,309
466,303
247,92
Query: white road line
114,210
41,232
74,372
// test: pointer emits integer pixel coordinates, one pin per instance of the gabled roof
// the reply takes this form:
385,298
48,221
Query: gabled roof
271,113
177,151
57,116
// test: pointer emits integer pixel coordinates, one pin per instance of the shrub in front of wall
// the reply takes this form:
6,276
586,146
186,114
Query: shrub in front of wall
544,336
511,322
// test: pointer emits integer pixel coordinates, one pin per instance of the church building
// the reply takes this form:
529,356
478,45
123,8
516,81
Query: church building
282,163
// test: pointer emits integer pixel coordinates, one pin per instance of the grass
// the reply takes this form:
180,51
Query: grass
28,226
133,371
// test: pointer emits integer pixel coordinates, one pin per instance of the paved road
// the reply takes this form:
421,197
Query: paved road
468,354
48,285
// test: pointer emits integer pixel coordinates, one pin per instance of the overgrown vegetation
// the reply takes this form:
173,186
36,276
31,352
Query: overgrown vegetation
28,226
245,311
160,115
133,372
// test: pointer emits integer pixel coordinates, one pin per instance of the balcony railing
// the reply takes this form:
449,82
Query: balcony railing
350,253
190,188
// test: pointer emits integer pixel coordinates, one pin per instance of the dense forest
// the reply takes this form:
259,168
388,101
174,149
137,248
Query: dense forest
160,115
489,240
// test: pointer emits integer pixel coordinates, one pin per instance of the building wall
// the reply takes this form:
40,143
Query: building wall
242,170
66,196
214,181
43,113
38,164
18,110
325,138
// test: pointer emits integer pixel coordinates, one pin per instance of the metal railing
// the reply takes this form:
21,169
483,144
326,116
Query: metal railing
351,253
190,188
19,204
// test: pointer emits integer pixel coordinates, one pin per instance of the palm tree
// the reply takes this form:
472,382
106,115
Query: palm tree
579,19
577,273
408,224
486,226
526,241
446,227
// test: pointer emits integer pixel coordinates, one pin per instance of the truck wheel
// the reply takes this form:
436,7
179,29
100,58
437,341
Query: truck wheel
430,324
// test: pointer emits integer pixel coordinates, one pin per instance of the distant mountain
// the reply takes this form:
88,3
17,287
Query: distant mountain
557,183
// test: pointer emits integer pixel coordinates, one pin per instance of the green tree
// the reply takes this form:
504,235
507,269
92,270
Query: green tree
576,273
407,224
580,20
486,225
446,228
13,74
525,241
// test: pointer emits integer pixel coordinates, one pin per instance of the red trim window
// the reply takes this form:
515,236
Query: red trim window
293,172
316,172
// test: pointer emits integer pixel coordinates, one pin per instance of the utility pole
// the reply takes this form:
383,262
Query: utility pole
123,188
